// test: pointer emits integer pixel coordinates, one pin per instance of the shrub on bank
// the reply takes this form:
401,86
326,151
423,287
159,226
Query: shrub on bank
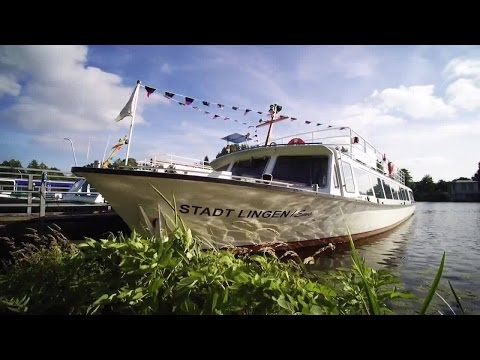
169,272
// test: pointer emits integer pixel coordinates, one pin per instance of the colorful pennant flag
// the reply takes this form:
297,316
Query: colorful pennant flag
169,95
188,100
206,103
235,107
149,90
247,111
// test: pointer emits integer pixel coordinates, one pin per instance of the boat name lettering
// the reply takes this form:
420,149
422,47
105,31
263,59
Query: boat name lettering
241,213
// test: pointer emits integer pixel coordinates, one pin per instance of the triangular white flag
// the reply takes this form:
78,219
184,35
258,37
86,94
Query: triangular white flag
128,109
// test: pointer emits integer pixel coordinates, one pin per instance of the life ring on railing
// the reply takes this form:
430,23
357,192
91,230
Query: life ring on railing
296,141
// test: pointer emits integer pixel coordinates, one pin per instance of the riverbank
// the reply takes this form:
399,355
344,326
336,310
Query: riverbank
168,273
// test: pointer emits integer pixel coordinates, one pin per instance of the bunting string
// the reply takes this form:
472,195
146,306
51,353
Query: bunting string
189,100
209,113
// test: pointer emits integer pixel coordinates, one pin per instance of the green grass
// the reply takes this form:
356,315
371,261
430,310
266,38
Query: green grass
167,272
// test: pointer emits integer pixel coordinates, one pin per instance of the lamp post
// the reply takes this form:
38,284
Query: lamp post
73,150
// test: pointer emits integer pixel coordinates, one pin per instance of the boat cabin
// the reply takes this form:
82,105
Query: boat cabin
326,165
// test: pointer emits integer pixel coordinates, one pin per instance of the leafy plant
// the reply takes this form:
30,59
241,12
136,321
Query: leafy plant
170,271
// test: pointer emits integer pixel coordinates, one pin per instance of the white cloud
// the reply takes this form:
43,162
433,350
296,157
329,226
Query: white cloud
9,86
166,68
63,94
415,101
464,94
361,115
461,67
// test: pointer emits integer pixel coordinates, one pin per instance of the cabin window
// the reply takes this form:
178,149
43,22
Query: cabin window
388,191
378,189
363,182
411,195
250,168
348,177
223,168
307,170
335,176
394,188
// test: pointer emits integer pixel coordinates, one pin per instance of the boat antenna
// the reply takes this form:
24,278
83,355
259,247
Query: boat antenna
274,109
134,109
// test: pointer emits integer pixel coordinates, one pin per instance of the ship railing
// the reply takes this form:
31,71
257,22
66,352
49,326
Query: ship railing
209,172
169,160
349,143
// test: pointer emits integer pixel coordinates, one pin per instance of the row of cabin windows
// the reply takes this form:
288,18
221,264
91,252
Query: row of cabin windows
381,188
309,170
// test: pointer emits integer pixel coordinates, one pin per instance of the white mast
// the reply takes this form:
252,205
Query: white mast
135,100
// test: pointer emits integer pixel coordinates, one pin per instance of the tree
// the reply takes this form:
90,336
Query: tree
224,151
206,160
442,186
121,162
462,178
408,177
476,177
426,184
232,148
12,163
33,164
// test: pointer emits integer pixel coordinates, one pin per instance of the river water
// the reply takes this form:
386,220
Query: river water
413,252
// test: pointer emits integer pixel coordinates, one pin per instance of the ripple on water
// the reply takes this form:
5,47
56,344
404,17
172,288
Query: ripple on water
413,252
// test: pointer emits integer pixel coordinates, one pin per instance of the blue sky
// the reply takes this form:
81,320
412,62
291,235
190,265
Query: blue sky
418,104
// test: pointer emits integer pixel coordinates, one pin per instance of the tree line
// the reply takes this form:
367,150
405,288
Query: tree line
13,163
428,190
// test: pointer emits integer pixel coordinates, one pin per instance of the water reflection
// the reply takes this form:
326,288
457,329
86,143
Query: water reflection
382,250
413,252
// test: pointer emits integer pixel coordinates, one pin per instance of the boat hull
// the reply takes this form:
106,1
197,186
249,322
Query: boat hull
236,213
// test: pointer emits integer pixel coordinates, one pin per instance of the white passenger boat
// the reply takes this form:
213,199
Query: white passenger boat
304,189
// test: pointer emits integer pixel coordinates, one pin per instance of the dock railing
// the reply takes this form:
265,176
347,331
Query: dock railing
22,191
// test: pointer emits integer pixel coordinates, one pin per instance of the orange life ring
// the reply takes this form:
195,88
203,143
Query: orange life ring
296,141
